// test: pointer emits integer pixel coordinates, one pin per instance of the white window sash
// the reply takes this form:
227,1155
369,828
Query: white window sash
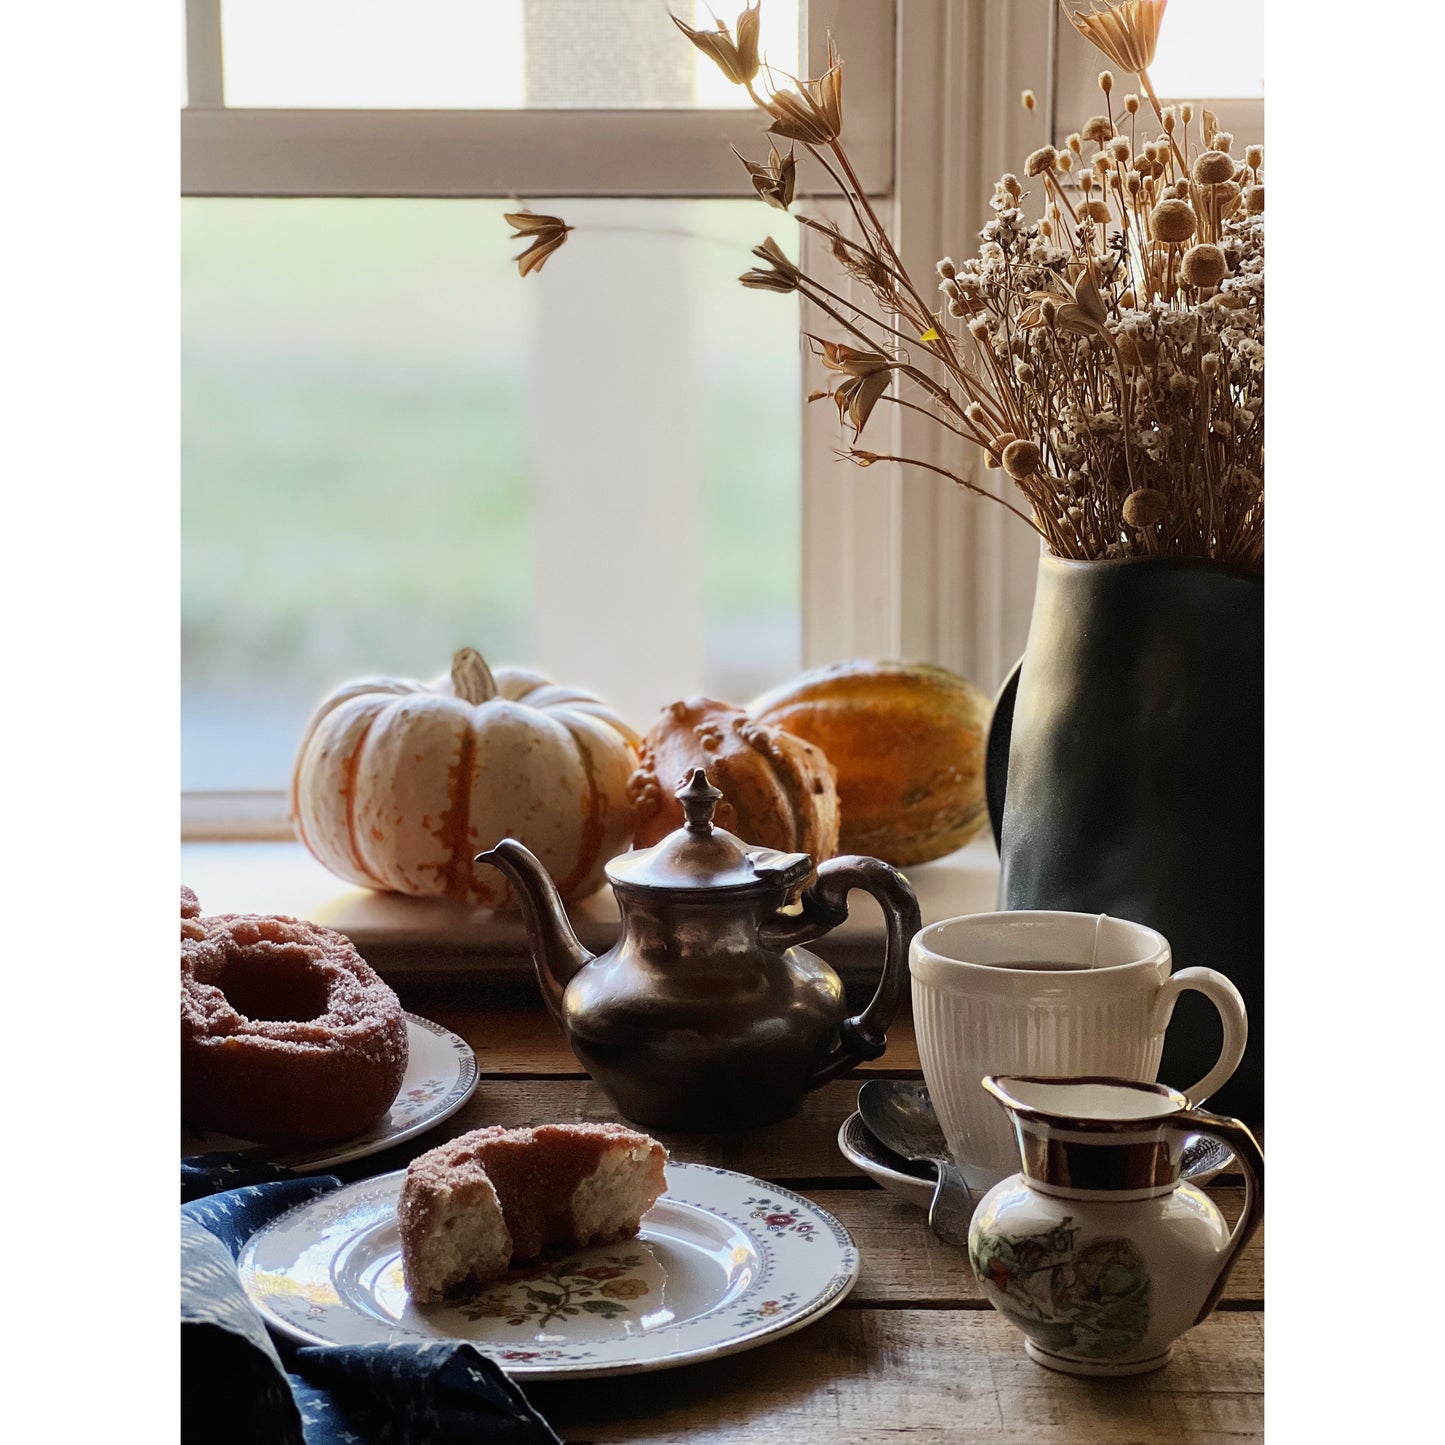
515,154
236,815
205,73
509,154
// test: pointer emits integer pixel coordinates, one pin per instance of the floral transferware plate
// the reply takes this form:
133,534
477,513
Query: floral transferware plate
723,1263
441,1072
1204,1157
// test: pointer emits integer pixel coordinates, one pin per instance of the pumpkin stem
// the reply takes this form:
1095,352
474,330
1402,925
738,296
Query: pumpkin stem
472,679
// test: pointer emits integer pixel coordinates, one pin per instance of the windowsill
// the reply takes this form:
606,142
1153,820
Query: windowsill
425,939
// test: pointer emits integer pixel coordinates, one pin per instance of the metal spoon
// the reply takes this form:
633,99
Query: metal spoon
900,1115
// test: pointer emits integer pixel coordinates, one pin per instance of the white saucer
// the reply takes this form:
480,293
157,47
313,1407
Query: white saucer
882,1166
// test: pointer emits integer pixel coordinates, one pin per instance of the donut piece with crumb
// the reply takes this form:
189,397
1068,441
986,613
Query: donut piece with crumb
470,1207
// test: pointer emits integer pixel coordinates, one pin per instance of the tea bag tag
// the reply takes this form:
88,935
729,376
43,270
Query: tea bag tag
1098,928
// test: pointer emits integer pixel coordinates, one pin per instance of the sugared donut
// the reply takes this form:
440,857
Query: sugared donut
471,1206
287,1035
191,925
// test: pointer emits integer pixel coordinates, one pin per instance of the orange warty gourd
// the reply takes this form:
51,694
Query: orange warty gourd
907,741
399,784
778,790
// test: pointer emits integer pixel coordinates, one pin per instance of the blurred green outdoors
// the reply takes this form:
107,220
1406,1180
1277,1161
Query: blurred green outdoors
355,456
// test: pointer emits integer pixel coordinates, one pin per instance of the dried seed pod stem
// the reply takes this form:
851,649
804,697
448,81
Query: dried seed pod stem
964,482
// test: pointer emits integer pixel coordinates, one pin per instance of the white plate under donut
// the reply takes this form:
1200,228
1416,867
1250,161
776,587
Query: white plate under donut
441,1072
723,1262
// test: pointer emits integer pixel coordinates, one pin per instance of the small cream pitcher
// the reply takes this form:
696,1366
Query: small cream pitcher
1095,1249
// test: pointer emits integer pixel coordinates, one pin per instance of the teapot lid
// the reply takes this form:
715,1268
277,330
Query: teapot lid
701,856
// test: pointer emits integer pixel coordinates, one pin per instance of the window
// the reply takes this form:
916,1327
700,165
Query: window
392,446
386,457
479,55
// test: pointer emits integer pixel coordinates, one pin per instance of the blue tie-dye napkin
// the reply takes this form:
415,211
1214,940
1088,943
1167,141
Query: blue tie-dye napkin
235,1384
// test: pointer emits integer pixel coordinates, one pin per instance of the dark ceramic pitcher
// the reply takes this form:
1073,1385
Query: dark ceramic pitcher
1126,776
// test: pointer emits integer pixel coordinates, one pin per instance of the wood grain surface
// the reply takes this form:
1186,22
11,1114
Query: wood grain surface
915,1353
862,1376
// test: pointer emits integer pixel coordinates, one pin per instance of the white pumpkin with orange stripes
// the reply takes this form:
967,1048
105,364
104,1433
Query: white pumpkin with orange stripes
399,784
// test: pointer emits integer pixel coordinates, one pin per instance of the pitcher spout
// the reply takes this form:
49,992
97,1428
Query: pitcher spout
556,953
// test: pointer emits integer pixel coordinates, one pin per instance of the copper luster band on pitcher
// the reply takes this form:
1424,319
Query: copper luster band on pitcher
1095,1250
1046,994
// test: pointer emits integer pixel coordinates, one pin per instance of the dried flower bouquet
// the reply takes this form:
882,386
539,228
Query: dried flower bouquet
1107,353
1104,347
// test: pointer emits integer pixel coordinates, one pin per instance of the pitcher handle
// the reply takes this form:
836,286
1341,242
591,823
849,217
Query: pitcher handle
1251,1161
996,750
1226,998
825,905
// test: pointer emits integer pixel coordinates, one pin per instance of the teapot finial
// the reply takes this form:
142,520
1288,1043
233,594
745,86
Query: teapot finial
699,801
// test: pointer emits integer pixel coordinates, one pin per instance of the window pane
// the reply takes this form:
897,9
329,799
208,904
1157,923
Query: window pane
394,447
1211,49
481,54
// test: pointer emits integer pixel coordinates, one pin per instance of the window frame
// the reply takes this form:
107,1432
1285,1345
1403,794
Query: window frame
511,154
895,563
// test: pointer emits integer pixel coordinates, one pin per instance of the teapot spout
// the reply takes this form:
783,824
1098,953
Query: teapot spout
556,953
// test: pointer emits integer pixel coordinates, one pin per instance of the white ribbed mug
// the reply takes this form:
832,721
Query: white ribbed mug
1052,995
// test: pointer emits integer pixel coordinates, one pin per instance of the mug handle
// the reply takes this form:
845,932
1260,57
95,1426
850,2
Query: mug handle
1226,998
825,905
1251,1162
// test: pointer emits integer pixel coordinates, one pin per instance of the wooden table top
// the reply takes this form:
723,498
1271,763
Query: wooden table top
913,1353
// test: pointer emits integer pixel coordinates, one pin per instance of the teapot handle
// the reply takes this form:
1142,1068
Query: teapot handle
825,905
1251,1161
